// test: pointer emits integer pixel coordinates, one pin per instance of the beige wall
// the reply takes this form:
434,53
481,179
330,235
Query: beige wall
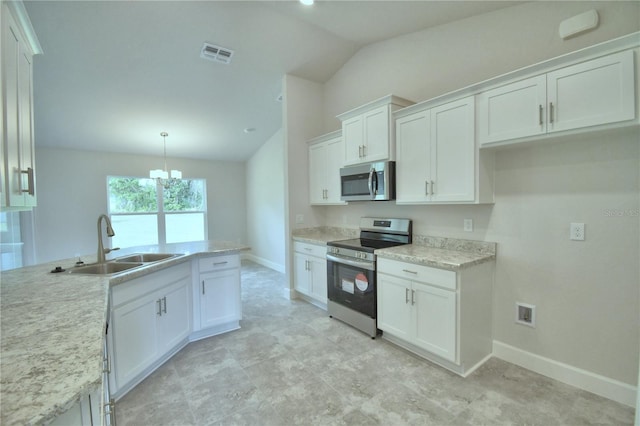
265,203
586,293
72,193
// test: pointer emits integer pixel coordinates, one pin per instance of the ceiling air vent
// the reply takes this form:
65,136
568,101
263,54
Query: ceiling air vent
216,53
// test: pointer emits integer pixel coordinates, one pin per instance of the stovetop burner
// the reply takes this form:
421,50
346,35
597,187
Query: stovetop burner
365,244
376,233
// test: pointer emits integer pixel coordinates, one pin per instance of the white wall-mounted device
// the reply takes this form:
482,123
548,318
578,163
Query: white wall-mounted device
578,24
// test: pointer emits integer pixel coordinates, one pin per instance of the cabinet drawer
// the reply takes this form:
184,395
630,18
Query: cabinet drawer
137,287
310,249
214,263
425,274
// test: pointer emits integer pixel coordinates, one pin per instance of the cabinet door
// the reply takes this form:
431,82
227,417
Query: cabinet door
413,157
394,308
512,111
135,337
435,320
317,173
27,164
376,134
11,53
453,151
592,93
318,272
220,297
174,325
335,158
301,277
353,135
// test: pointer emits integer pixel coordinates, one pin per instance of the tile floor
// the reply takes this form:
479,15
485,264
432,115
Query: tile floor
291,364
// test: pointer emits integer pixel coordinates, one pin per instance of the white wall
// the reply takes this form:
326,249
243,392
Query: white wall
301,121
72,193
265,204
586,293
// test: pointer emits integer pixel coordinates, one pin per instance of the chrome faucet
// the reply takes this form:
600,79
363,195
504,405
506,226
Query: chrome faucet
101,250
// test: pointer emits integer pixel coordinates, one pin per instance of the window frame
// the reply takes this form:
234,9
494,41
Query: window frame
160,213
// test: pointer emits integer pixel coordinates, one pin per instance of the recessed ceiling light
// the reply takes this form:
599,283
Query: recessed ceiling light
306,2
249,130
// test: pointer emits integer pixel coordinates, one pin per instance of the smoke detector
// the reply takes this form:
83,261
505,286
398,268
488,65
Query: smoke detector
216,53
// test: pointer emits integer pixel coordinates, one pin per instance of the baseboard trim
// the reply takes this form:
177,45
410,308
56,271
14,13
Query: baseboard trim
606,387
264,262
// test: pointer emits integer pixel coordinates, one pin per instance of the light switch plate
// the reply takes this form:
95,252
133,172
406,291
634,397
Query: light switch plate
468,225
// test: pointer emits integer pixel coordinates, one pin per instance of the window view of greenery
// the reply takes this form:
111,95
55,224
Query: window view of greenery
143,212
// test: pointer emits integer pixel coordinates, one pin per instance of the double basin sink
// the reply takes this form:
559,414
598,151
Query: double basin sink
122,264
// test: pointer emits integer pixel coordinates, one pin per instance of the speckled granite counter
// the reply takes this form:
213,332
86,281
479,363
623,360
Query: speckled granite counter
52,327
443,253
438,252
323,234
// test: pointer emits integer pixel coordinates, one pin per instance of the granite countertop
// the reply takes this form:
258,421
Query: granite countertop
52,327
438,252
443,253
324,234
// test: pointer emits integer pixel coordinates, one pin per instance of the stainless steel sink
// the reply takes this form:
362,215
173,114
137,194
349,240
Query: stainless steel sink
104,268
146,257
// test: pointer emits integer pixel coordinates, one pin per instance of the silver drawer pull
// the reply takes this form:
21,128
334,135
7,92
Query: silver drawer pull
409,272
220,263
406,295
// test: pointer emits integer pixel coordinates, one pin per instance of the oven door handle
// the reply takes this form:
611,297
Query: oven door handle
369,266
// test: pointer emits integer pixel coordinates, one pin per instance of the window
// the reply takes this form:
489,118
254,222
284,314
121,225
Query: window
144,212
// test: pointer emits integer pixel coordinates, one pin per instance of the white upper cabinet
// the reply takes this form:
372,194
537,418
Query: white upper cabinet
592,93
436,156
17,182
512,111
597,92
325,159
368,131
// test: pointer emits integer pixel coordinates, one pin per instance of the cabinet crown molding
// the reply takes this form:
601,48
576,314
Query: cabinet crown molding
17,9
626,42
385,100
326,137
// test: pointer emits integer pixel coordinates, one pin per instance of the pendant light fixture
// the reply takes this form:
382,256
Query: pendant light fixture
162,176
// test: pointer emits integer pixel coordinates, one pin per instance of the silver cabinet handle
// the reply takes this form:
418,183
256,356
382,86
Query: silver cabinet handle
551,112
426,187
406,296
159,302
413,294
220,263
110,412
359,151
410,272
164,310
432,185
364,150
31,188
540,114
202,286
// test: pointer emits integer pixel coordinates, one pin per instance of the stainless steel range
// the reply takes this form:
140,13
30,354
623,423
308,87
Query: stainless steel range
351,271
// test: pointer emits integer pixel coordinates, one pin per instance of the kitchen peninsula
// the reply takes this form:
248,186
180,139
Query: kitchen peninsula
53,325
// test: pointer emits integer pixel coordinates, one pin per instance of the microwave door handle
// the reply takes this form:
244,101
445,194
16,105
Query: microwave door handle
373,183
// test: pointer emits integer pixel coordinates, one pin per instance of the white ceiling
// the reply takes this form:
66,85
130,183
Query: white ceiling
114,74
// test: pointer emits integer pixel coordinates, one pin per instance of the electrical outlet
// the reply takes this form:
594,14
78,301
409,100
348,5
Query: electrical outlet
468,225
299,218
526,314
576,232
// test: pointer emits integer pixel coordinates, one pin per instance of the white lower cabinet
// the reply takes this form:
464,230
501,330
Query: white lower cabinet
442,315
310,271
150,318
218,293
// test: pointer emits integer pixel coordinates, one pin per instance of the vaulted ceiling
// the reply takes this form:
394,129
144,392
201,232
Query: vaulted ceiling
114,74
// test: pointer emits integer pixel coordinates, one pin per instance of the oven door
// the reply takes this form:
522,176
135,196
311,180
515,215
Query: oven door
352,283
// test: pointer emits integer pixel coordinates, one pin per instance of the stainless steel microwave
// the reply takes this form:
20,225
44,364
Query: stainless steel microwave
368,182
